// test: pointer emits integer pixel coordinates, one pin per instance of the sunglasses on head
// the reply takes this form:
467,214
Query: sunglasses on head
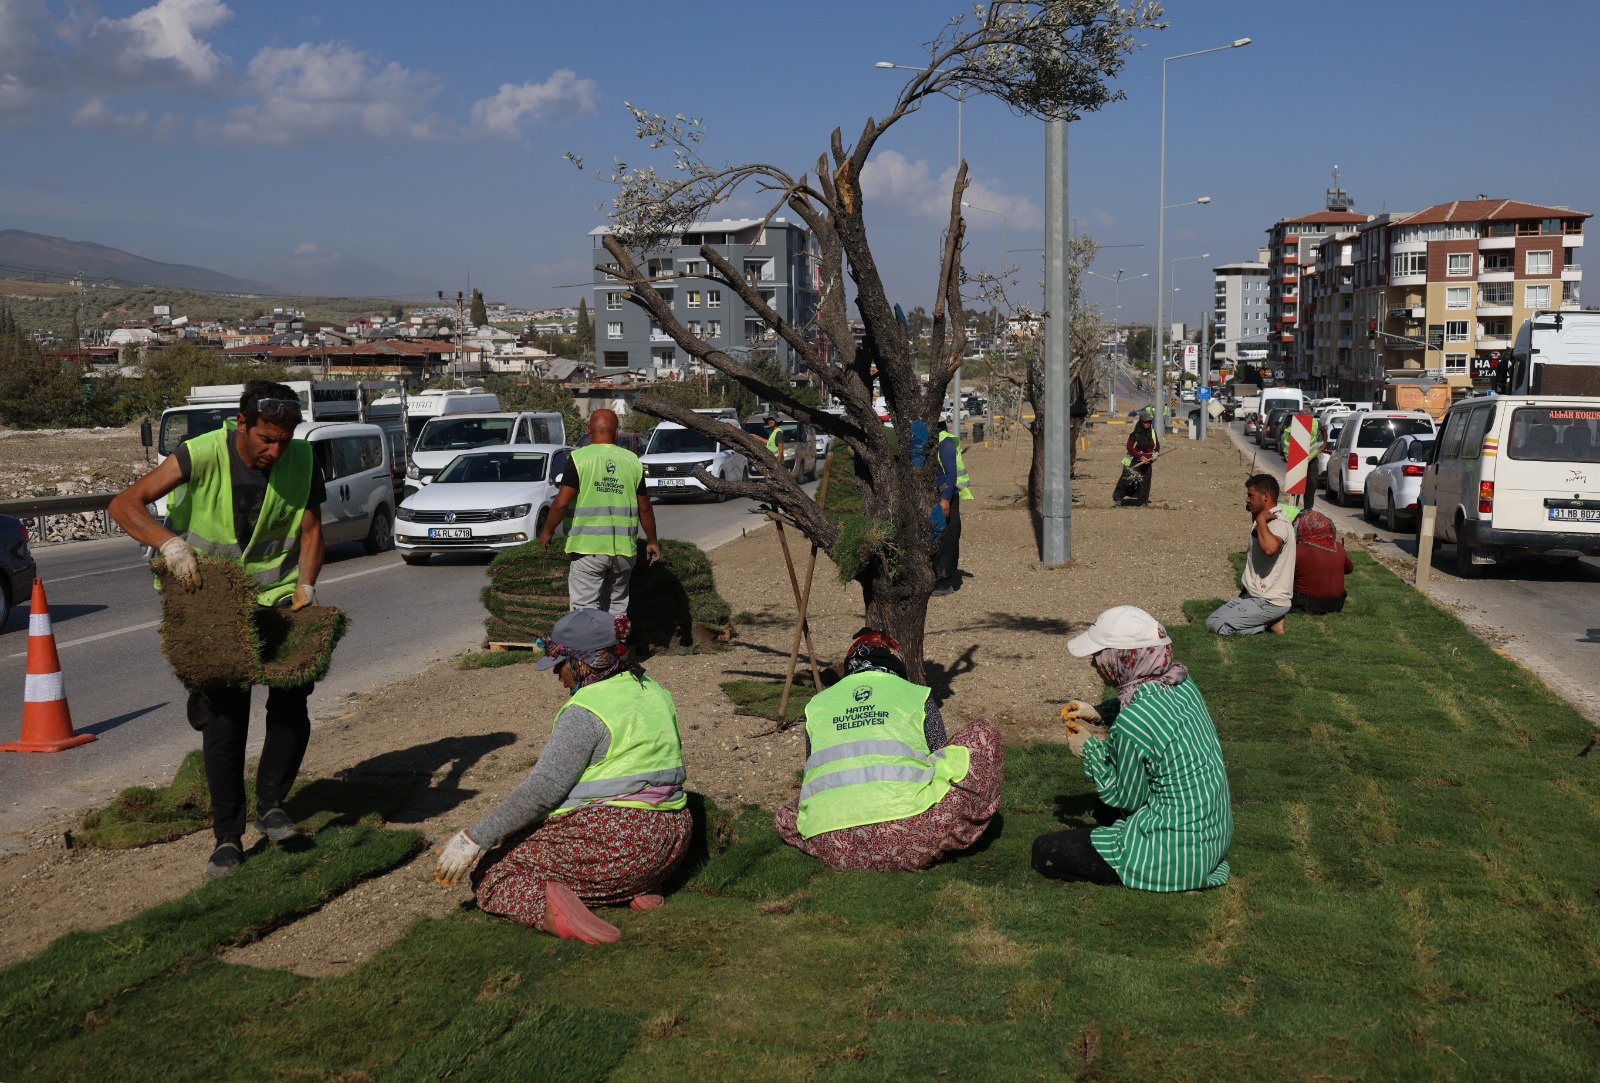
278,411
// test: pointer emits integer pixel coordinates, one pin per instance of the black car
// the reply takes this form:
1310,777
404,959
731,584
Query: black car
16,567
1269,433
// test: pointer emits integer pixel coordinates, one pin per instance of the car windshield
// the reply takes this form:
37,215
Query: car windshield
460,433
680,442
1556,434
1383,431
494,466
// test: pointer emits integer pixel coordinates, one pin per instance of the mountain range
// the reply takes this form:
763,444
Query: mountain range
307,272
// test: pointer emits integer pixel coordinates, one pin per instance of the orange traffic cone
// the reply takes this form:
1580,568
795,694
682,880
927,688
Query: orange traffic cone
46,721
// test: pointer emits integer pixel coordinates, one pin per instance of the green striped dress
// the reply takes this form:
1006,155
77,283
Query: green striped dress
1162,762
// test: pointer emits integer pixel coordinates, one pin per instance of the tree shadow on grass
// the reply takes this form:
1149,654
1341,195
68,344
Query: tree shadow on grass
387,785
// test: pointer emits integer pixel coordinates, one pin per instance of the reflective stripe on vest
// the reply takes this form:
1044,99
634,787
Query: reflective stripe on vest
644,751
963,482
201,512
605,514
869,760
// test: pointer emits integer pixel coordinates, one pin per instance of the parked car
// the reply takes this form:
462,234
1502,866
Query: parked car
1365,433
1395,481
799,445
485,500
1517,475
1270,433
1330,440
17,569
1252,424
354,459
445,437
673,455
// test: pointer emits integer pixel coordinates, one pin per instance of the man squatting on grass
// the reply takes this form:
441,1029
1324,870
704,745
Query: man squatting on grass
253,493
1268,579
603,485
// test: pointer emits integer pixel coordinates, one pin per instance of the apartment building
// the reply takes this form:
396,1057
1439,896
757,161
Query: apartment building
1328,314
777,257
1240,310
1291,253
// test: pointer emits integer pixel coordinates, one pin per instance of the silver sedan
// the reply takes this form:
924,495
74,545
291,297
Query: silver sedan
1395,481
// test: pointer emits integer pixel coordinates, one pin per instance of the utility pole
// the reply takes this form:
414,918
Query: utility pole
1057,497
1205,373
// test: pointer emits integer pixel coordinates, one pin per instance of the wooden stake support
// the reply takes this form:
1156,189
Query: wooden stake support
803,600
1425,545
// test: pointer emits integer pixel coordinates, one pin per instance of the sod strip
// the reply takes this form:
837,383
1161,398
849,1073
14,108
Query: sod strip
47,997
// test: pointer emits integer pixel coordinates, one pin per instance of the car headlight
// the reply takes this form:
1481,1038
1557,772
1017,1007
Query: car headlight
705,463
404,513
516,511
412,472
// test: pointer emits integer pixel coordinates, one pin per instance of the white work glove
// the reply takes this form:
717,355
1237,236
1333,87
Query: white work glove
181,563
456,858
305,594
1077,737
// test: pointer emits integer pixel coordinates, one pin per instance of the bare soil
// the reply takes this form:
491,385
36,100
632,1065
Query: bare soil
996,648
97,461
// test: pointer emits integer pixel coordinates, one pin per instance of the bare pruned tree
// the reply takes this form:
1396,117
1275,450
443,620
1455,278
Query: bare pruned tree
1051,59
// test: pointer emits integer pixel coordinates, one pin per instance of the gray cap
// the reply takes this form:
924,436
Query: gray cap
580,630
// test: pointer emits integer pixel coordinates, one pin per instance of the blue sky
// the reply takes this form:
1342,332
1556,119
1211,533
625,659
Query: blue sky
427,139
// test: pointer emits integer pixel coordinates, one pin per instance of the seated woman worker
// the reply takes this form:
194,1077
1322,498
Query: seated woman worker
884,789
602,816
1165,815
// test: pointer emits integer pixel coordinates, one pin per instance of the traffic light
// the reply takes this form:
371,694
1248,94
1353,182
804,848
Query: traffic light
1372,330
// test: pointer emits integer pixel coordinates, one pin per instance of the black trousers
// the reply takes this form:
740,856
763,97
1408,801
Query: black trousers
947,560
223,718
1070,855
1127,488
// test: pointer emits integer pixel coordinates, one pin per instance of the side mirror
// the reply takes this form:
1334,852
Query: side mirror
1372,460
146,434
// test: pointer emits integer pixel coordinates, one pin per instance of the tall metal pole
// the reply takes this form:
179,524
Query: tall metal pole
955,381
1057,405
1157,337
1205,368
1116,337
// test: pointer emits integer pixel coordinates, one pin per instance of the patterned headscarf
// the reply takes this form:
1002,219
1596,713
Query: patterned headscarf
1126,670
874,650
1316,530
590,666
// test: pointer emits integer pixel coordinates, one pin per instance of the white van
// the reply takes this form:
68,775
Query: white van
1514,475
673,455
424,406
448,435
354,459
1365,436
1277,398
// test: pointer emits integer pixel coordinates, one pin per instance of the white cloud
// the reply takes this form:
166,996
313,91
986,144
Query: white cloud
304,248
95,113
315,91
563,92
168,35
891,176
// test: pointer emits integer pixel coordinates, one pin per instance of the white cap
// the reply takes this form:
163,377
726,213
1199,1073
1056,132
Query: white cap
1122,627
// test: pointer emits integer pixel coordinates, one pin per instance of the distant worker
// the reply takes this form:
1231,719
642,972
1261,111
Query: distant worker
251,493
1268,581
775,438
954,486
602,817
603,485
1138,465
884,788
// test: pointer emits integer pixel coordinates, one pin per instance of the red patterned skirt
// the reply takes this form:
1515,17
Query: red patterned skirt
916,842
604,853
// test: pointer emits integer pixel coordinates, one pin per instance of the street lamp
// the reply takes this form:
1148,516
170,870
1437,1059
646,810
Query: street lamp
884,64
1116,321
1161,198
1004,218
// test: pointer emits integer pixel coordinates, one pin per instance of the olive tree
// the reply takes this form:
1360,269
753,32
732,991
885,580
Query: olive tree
1048,60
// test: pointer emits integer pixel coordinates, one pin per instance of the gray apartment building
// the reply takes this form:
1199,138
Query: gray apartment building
779,258
1240,313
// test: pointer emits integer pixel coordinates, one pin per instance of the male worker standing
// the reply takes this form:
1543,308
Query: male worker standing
251,492
775,439
954,487
603,485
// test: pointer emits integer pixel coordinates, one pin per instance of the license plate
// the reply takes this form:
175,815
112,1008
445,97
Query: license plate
1576,515
449,532
671,483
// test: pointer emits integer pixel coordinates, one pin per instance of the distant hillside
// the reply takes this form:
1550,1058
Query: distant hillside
56,307
28,255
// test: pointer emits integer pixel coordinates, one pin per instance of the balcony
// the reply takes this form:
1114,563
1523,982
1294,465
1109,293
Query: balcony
1406,312
1497,274
1572,272
1487,243
1494,342
1572,240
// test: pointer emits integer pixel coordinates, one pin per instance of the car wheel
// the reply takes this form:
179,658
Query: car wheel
1391,517
416,560
1366,508
538,526
1464,566
381,534
5,607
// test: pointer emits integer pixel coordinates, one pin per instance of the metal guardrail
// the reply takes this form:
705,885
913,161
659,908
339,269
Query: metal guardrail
39,509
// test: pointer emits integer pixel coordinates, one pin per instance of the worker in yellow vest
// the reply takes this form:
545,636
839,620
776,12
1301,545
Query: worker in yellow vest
602,817
603,487
954,487
252,493
884,788
775,439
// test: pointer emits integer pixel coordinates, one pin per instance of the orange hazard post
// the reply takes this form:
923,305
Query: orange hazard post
46,721
1299,452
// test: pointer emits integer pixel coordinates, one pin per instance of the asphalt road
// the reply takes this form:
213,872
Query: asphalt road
1546,616
119,687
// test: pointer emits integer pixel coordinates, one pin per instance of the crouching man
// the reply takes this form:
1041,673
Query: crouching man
1268,581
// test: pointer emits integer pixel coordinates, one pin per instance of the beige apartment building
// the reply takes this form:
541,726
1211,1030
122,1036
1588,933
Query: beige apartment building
1445,289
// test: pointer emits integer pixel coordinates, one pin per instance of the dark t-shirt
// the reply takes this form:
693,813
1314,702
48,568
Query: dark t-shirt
250,488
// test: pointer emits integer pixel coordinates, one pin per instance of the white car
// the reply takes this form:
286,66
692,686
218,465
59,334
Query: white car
1330,436
1365,434
485,500
1395,483
673,455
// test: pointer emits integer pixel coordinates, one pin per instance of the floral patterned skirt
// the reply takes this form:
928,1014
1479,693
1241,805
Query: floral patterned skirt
916,842
604,853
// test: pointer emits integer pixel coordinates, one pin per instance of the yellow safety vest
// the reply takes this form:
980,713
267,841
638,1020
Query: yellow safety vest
963,482
645,749
605,515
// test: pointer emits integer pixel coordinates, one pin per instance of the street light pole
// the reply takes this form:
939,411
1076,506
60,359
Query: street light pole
1056,505
1116,324
1161,211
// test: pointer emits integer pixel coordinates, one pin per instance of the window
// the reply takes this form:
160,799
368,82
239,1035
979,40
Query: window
1494,329
1459,264
694,298
1455,330
1502,229
1455,424
1496,262
1538,263
1477,424
1494,293
1410,263
614,330
1556,434
611,272
1535,296
694,327
713,298
1458,297
1455,362
613,302
1569,294
713,328
614,359
694,267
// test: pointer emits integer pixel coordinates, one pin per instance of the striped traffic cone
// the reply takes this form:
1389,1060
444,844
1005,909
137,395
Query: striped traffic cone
46,721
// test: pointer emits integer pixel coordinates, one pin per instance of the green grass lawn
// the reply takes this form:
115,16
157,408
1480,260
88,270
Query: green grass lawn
1414,897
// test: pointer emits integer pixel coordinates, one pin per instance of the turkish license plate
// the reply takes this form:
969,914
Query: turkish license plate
449,532
672,483
1576,515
